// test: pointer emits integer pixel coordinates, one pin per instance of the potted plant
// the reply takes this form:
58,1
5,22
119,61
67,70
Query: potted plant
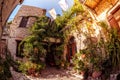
97,72
97,67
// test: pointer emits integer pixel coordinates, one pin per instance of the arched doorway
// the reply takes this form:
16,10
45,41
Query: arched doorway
53,56
71,48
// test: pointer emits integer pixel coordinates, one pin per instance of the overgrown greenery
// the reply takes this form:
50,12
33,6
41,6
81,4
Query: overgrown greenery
114,48
44,29
98,55
34,45
5,73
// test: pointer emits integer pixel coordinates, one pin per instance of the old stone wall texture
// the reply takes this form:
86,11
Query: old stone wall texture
19,33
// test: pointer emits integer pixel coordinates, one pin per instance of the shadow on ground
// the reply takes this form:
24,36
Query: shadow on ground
52,72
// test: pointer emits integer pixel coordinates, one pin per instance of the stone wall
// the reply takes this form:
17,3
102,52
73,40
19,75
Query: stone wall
19,33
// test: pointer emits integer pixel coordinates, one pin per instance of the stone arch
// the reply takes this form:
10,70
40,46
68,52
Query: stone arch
6,8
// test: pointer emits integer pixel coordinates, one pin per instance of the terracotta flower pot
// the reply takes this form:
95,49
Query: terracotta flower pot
37,74
82,73
31,71
96,74
83,56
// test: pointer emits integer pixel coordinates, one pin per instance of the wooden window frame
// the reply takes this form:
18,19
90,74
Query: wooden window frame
17,48
24,21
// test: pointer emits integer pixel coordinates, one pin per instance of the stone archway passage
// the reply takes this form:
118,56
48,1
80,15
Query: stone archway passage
53,55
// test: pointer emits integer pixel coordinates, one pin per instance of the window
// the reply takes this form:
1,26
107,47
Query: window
3,40
24,21
17,48
117,16
114,18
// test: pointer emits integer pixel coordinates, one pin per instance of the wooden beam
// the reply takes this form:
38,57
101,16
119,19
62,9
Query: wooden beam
116,9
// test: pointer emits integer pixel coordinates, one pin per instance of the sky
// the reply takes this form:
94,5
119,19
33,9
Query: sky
45,4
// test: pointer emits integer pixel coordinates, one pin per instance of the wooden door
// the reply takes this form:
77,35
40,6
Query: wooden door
71,49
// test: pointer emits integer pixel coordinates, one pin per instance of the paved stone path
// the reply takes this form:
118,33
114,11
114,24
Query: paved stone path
56,74
50,73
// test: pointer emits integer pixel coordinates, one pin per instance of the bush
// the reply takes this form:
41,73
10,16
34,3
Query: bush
5,73
31,68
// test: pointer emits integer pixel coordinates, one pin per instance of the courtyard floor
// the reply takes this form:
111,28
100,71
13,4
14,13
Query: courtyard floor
50,73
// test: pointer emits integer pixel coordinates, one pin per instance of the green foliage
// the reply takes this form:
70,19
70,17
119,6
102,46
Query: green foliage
5,73
112,45
34,45
78,63
77,7
101,55
89,58
114,48
26,66
42,30
10,22
103,24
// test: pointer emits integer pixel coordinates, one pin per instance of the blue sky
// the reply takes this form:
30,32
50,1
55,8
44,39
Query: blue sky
45,4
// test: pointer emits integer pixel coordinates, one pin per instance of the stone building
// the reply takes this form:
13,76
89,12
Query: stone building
20,25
